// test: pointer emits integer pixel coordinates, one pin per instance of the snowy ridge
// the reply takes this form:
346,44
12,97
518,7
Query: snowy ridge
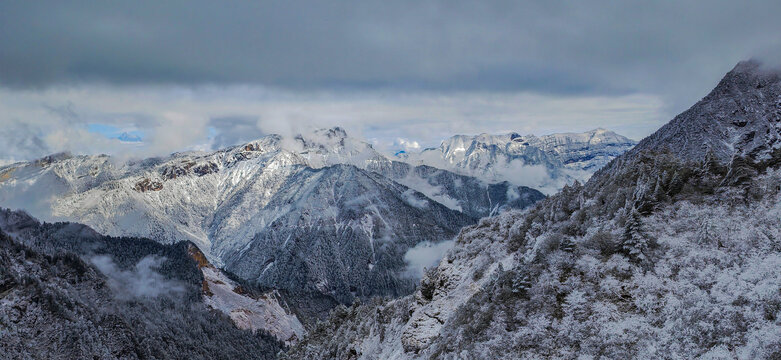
546,162
741,116
241,204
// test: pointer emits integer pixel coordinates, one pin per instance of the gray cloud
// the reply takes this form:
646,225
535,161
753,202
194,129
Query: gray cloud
396,72
232,130
21,141
563,47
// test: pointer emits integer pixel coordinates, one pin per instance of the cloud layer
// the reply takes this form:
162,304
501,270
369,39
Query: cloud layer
571,46
201,74
175,118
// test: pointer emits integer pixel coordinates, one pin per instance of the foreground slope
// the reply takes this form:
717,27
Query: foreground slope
662,254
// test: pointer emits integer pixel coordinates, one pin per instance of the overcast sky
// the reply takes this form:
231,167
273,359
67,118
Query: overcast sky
198,74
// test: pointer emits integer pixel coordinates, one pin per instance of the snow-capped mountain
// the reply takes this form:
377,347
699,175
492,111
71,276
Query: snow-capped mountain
546,162
666,252
259,209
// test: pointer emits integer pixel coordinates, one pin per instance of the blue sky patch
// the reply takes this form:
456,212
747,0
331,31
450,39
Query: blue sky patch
114,132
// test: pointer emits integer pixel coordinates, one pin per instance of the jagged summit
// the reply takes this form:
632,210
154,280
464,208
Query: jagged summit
740,116
544,162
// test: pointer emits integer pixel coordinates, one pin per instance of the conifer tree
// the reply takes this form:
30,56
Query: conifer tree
566,244
634,242
521,283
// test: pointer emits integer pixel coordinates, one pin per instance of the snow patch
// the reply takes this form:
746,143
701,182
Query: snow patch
264,312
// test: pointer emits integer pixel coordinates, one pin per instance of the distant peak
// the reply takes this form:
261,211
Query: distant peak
65,155
334,132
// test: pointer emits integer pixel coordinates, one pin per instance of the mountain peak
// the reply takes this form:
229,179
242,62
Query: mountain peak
335,132
740,116
747,66
747,76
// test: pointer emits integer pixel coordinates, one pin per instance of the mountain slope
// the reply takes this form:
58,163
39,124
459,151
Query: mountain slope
68,293
341,231
247,207
661,254
741,116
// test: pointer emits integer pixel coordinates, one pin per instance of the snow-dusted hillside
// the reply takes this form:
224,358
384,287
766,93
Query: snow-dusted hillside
741,116
67,292
546,162
353,211
661,254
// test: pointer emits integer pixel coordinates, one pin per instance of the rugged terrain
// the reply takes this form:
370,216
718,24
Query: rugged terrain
670,251
322,212
67,292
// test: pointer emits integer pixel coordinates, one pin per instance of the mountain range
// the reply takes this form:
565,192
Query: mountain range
321,213
273,233
669,251
546,163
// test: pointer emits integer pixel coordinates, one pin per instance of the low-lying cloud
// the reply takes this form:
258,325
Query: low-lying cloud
425,255
38,123
142,281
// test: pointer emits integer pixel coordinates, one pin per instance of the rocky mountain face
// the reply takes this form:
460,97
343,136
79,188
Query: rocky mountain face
67,292
321,212
740,117
546,162
669,251
341,231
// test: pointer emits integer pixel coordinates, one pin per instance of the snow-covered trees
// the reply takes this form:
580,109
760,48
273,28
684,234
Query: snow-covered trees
55,305
674,252
635,242
694,278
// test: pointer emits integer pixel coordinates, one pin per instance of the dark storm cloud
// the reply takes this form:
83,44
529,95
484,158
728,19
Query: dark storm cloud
560,47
